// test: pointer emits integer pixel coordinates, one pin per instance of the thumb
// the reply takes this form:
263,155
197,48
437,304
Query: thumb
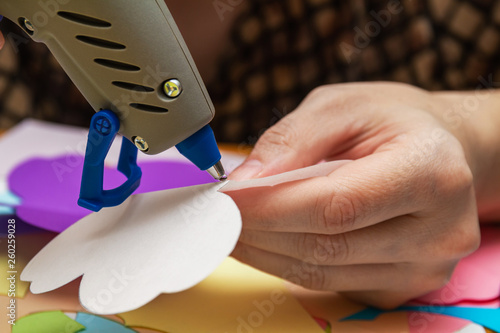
302,138
2,40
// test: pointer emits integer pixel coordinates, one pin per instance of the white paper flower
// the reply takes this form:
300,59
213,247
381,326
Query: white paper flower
160,242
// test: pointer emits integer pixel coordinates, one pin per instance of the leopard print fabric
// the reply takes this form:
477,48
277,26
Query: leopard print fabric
282,49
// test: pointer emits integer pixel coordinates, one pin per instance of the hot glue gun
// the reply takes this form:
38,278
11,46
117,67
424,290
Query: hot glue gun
130,62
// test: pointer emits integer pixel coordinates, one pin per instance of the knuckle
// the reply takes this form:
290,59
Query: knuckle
306,244
335,213
457,178
332,98
471,241
283,135
316,278
331,249
464,240
319,92
452,176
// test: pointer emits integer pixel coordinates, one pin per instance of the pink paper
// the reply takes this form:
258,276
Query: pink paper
50,187
475,281
419,322
476,277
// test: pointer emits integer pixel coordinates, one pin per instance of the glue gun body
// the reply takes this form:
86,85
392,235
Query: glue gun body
128,57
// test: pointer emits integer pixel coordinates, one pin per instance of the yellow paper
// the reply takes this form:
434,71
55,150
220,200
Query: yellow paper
235,298
19,287
333,307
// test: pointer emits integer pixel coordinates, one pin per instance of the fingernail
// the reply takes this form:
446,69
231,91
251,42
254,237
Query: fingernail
247,170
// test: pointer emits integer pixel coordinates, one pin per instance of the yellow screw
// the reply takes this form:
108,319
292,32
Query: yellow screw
172,88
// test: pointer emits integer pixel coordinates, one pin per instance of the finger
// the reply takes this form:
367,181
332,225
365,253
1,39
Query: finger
387,277
361,193
395,242
311,275
402,239
317,128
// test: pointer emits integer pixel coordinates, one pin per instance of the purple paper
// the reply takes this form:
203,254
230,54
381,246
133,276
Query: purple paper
49,188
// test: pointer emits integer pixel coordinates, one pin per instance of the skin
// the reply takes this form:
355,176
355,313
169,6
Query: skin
391,224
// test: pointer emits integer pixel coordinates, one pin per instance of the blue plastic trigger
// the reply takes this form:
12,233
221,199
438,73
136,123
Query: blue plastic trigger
103,129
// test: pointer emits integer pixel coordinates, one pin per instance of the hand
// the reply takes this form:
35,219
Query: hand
389,226
2,40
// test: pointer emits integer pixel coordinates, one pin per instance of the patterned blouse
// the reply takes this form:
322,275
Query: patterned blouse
282,49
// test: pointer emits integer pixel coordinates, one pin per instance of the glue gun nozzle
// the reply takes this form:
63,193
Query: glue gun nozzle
217,171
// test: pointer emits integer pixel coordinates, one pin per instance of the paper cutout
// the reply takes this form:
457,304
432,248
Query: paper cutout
325,326
333,307
161,242
476,278
47,322
50,188
318,170
489,318
432,322
464,284
94,324
57,321
482,264
235,298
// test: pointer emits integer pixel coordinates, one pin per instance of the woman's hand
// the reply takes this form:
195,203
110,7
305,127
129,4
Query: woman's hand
390,225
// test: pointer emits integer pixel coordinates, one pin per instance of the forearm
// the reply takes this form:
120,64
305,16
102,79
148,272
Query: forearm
474,117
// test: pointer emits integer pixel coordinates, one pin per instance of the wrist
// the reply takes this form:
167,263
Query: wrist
474,118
